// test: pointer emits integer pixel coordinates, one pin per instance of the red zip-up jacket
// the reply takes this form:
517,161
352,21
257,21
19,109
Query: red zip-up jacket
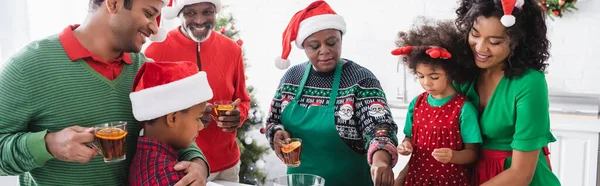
222,60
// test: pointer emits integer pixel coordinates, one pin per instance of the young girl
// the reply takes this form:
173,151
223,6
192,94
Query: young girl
441,128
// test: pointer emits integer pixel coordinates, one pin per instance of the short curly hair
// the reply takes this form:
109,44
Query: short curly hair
529,43
427,33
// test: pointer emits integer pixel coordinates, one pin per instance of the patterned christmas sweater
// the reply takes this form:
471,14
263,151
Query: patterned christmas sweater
363,118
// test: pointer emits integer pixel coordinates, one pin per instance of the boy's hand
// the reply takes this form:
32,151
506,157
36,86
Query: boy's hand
231,119
443,155
196,172
405,148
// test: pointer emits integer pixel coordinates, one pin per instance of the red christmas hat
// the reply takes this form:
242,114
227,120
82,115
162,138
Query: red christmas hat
160,88
316,17
508,19
173,11
161,35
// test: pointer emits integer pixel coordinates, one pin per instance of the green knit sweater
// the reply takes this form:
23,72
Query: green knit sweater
42,91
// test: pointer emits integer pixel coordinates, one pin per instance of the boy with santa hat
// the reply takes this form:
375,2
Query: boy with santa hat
169,99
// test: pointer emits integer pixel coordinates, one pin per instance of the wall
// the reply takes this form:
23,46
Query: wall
575,39
27,20
15,32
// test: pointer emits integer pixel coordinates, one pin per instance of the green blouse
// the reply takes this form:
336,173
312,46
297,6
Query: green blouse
517,117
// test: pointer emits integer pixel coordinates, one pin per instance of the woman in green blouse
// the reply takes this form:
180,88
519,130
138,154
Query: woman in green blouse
510,90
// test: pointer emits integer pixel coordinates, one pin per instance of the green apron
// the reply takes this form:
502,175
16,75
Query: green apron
323,151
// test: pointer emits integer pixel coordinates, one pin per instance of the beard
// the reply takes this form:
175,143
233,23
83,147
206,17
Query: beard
198,37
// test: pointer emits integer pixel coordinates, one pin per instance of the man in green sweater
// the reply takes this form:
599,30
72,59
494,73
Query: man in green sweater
56,88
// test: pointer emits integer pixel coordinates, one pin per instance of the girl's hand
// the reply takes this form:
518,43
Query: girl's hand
443,155
405,148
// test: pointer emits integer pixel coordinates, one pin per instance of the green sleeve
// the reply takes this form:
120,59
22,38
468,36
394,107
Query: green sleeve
409,118
22,150
191,153
469,124
532,125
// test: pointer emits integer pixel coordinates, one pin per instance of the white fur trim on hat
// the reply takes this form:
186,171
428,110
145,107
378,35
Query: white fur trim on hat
172,12
282,63
318,23
152,103
160,36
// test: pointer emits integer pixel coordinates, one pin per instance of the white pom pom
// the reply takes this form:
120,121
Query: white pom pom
248,140
260,164
519,3
170,12
282,63
508,20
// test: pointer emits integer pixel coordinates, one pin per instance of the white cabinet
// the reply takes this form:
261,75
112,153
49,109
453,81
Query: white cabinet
574,156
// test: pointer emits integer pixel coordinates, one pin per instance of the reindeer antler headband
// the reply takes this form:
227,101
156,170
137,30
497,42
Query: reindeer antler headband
433,52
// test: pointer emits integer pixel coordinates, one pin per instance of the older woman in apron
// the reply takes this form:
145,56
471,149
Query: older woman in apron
334,105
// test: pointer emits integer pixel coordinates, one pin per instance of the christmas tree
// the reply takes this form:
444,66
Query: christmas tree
252,166
557,7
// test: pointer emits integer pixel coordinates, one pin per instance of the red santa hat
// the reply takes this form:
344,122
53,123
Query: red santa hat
171,12
348,103
160,88
508,6
161,35
316,17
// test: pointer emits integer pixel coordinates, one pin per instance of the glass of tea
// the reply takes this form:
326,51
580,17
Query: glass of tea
221,107
110,138
291,152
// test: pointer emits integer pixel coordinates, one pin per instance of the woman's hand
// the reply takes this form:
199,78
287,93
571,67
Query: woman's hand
280,138
399,181
521,171
381,171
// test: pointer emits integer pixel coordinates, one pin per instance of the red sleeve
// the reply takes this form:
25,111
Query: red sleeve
240,88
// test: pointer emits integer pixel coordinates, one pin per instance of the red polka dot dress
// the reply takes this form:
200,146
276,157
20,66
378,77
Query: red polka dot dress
432,128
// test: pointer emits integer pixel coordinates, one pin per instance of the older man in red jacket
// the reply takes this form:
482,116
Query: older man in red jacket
221,58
